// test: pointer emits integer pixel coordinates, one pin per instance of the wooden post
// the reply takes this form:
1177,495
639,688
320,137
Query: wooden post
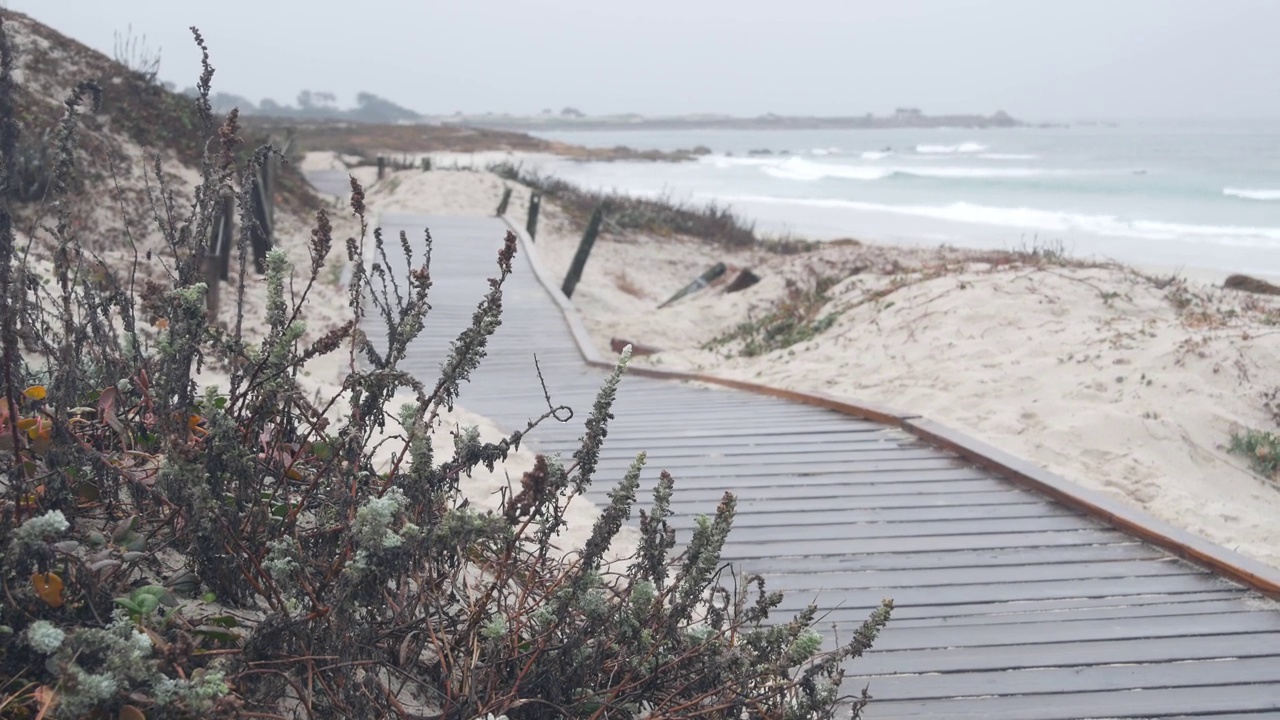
426,164
382,166
584,250
535,202
502,204
217,253
224,226
261,231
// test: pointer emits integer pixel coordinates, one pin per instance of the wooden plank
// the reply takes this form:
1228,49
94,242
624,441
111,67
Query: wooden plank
982,575
1250,715
1205,674
847,617
807,548
982,558
851,475
1013,612
858,531
1010,592
1230,603
746,444
1080,631
880,661
766,462
758,515
781,441
836,496
832,495
727,429
1070,706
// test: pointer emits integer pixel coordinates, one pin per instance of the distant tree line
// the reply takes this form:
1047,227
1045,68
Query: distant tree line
318,105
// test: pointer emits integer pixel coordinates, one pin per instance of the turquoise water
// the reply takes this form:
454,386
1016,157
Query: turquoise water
1156,194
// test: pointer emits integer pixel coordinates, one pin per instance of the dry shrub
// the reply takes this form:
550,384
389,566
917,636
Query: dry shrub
238,552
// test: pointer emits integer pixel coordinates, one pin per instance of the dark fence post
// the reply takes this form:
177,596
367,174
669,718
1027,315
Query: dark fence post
506,198
584,250
224,226
426,164
382,166
535,202
217,253
262,216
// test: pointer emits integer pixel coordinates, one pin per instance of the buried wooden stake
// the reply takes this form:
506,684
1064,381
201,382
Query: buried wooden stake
703,280
584,250
502,204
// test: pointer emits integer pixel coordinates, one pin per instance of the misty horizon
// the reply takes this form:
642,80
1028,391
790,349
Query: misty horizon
1145,60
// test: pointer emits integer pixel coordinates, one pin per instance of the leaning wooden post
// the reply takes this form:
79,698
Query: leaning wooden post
502,204
217,253
224,227
260,202
382,166
535,202
584,250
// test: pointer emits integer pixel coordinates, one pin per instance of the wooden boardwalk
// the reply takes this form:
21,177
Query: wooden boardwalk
1009,604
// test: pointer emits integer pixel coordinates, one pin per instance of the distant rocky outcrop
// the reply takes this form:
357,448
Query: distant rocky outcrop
901,118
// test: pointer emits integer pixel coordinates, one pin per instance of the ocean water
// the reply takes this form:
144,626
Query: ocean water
1159,195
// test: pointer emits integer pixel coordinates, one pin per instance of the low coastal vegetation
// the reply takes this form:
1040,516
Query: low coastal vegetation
661,216
367,140
802,313
1261,449
173,549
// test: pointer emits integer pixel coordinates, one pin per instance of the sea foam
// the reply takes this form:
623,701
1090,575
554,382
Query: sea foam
968,147
1251,194
807,170
1049,221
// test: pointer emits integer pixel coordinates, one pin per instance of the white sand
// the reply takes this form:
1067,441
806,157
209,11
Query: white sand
1089,372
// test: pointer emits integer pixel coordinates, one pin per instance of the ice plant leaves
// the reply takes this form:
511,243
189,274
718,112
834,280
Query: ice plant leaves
48,587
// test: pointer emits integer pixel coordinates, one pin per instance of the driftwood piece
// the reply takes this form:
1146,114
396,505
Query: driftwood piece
637,350
744,280
702,281
1244,283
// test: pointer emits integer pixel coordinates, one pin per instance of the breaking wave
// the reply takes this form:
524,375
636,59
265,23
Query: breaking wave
968,147
1250,194
807,170
1050,221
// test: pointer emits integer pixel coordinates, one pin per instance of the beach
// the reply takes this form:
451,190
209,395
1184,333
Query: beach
1122,381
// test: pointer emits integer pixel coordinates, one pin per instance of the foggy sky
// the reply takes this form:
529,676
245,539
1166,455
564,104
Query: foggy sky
1037,59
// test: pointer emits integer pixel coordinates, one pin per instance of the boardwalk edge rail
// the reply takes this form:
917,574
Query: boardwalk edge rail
1140,524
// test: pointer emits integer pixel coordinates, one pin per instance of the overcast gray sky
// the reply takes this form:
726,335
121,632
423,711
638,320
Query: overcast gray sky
1039,59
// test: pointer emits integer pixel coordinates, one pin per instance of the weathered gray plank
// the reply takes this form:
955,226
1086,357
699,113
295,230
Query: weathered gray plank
1070,706
1040,681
